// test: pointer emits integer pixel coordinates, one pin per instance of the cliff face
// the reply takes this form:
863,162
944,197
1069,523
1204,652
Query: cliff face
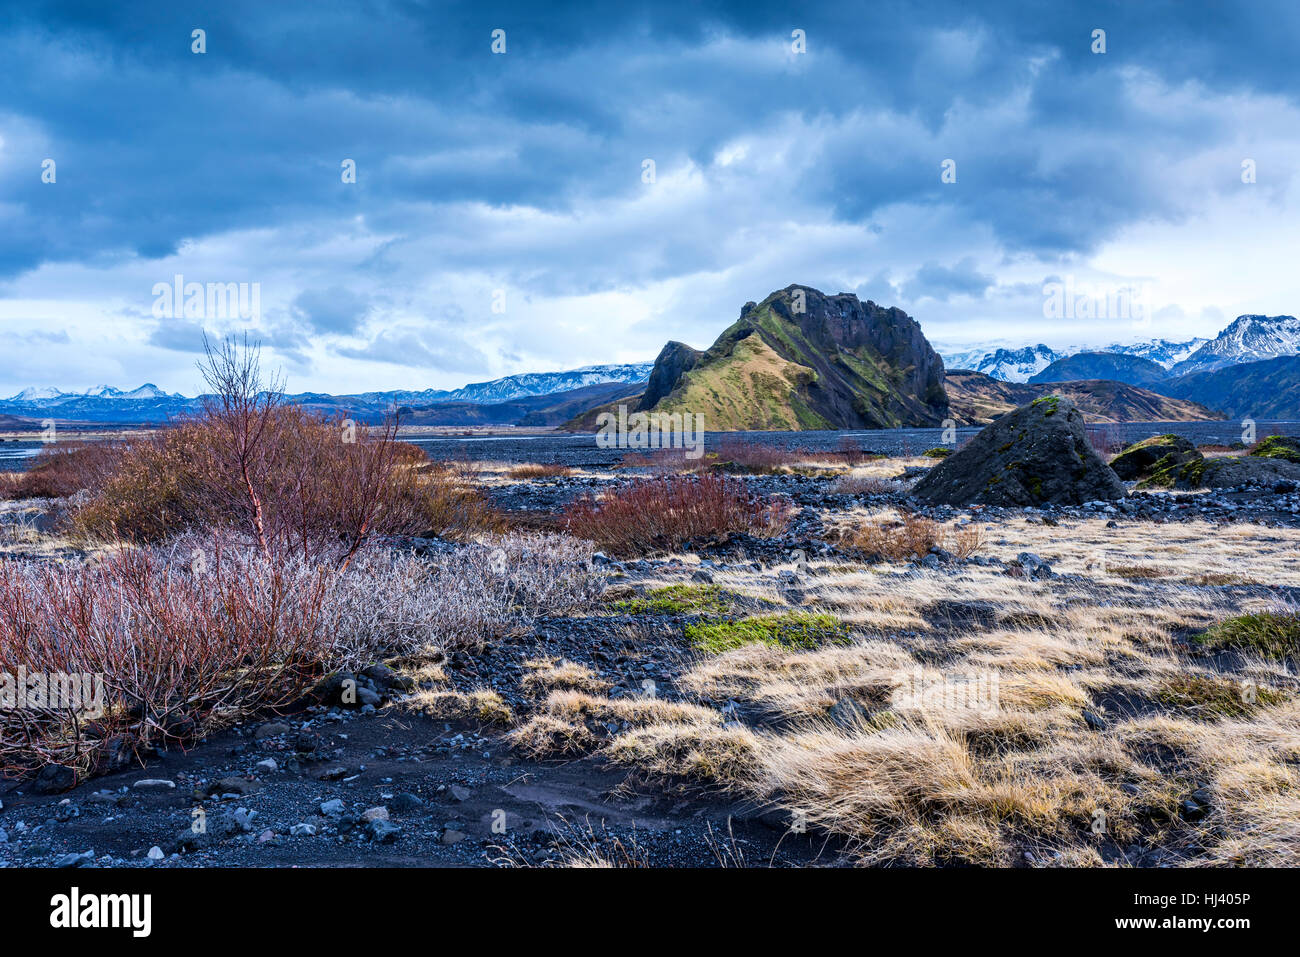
803,360
674,361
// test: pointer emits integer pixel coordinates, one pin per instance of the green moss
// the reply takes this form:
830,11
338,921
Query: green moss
1167,472
1272,634
791,630
1050,401
1211,697
938,452
707,600
1277,447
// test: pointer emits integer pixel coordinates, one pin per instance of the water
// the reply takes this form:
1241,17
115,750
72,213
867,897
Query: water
581,450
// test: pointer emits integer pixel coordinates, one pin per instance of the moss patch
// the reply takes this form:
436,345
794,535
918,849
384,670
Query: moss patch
1208,697
1278,447
1272,634
793,630
707,600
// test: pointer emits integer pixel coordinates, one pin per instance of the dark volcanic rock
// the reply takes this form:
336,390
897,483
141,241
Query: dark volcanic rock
1244,470
1037,455
674,360
1142,459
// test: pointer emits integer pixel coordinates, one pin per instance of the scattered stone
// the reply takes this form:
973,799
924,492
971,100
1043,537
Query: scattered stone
154,784
375,814
458,793
405,804
382,832
450,836
84,859
239,786
303,830
54,779
271,729
155,853
332,808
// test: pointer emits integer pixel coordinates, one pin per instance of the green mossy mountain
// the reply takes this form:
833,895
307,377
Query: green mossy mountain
803,360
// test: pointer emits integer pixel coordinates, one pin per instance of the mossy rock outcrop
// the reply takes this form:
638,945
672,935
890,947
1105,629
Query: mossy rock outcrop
1247,470
1283,447
1158,453
1036,455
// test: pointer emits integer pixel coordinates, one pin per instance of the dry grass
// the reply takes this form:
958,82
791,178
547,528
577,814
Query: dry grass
911,536
1101,727
533,470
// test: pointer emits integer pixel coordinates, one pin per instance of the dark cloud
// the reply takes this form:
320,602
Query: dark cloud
933,281
526,167
333,310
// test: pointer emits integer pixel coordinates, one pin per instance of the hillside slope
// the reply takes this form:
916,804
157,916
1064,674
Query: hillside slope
1268,389
977,399
1102,365
804,360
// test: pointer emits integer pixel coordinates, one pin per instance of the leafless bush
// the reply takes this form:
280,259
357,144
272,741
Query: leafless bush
62,469
180,648
664,512
200,634
866,485
396,604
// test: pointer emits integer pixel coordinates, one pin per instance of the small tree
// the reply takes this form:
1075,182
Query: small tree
241,406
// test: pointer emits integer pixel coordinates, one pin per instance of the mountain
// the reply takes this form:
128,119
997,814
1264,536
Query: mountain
51,398
1007,365
978,399
1269,389
803,360
1160,351
1133,370
552,409
149,404
548,383
1247,339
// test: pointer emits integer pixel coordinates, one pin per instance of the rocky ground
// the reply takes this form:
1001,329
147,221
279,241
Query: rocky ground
389,784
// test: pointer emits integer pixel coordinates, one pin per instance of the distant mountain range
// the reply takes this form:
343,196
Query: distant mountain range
1248,339
831,362
467,405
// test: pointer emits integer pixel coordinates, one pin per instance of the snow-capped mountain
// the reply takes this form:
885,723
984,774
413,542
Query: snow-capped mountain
151,404
1248,339
1160,351
548,383
1009,365
50,396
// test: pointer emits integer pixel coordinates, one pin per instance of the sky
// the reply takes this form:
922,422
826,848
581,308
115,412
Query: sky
423,195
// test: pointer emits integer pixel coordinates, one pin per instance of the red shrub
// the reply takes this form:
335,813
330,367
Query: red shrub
65,468
179,648
661,513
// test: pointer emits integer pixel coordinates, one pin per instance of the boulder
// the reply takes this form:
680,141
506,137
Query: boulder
1158,453
1242,470
1283,447
1036,455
